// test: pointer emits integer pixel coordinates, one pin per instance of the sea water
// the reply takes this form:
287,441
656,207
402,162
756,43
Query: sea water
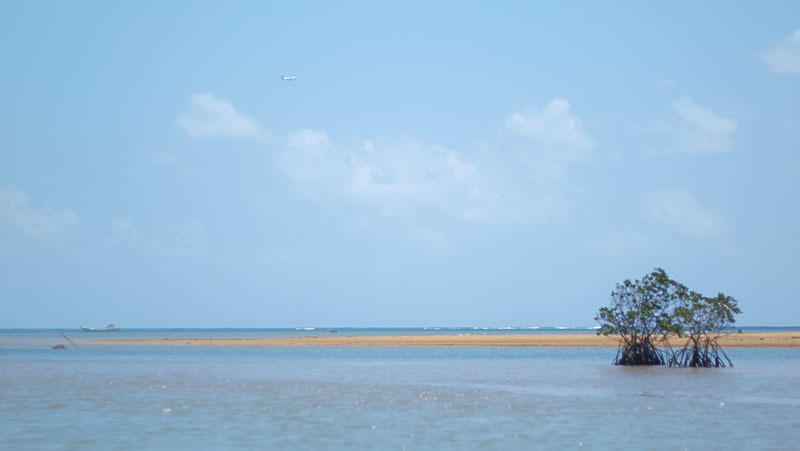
101,396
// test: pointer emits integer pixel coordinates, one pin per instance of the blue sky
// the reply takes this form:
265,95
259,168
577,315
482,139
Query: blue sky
447,164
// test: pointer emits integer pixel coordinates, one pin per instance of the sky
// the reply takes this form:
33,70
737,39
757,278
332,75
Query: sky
449,163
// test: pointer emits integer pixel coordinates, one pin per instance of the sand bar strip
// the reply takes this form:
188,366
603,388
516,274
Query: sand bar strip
735,340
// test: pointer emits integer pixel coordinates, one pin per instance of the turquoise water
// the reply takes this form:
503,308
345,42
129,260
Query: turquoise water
167,397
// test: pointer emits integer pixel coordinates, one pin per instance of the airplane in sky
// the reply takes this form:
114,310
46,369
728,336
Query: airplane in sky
289,78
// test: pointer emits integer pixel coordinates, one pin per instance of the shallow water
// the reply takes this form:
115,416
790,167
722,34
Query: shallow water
111,396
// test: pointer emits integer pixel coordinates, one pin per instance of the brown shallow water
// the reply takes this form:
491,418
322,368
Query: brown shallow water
743,340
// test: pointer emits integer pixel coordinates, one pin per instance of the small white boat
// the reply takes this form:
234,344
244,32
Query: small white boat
110,328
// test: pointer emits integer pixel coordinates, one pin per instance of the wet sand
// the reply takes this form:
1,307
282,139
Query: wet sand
734,340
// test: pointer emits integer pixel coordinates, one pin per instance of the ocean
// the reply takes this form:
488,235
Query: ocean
108,396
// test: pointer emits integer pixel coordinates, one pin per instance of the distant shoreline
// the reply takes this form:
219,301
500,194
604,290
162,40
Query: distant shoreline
732,340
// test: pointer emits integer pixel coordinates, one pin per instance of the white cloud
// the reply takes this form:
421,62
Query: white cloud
397,178
784,56
367,145
387,176
208,116
315,141
695,129
703,129
677,209
308,156
702,118
17,213
522,182
554,131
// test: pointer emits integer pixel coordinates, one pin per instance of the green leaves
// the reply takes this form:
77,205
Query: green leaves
646,312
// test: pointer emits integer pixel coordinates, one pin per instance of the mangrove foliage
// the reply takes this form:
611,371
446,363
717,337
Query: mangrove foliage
646,313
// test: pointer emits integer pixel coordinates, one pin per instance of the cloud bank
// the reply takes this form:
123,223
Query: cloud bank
394,177
521,181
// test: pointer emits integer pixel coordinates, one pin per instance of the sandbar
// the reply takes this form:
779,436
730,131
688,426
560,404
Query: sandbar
733,340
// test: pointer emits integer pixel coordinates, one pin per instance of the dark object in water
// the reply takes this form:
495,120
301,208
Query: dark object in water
334,331
70,341
59,347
